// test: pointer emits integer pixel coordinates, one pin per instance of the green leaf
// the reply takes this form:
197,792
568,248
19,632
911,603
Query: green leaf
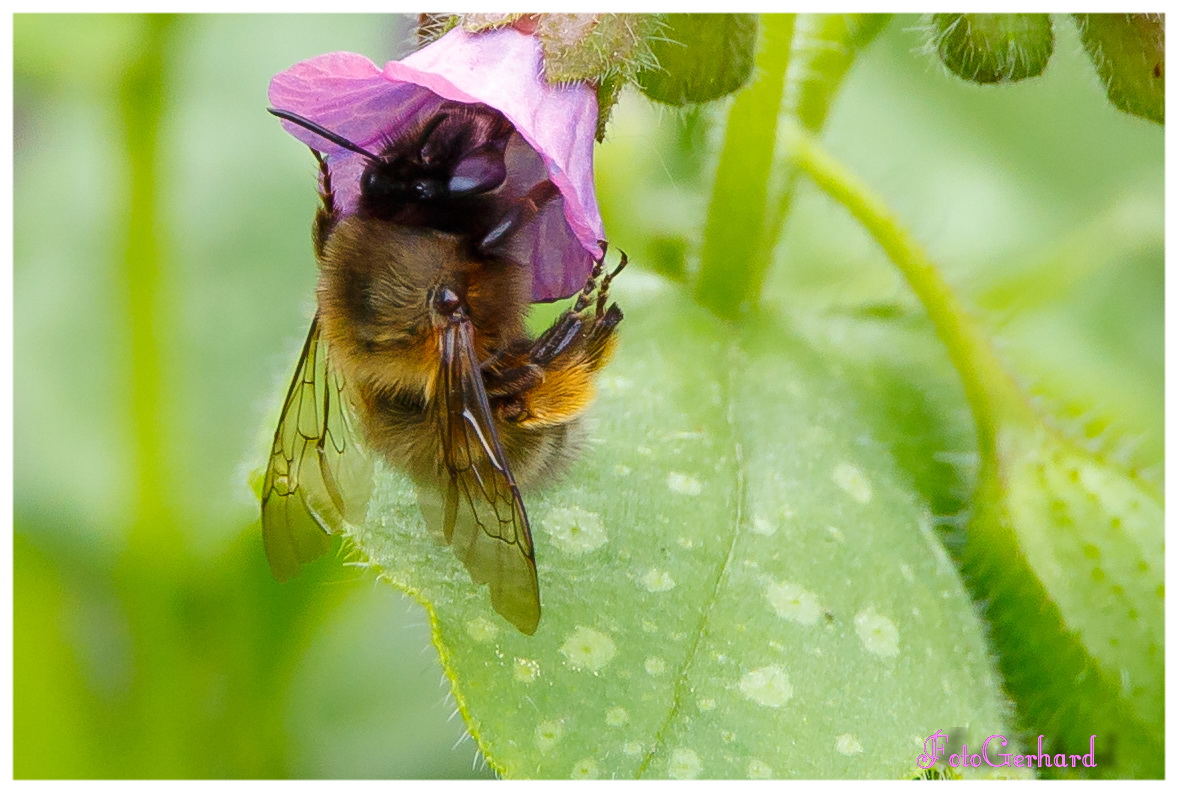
737,578
1129,52
992,48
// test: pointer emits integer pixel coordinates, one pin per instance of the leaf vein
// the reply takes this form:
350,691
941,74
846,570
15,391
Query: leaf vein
721,575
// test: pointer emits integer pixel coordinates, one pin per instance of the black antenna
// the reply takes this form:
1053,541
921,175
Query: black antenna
326,134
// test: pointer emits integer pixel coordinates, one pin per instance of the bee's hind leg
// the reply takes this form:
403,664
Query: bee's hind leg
603,292
576,327
552,383
558,384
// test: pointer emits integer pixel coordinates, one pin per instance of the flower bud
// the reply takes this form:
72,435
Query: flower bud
992,48
1071,553
700,57
1129,52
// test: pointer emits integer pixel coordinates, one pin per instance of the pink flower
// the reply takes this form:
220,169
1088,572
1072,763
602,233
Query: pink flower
349,95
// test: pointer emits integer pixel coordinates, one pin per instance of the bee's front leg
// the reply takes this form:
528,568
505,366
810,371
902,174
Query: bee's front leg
518,215
326,216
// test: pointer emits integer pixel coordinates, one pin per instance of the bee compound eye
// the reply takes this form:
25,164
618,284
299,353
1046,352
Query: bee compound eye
375,185
371,182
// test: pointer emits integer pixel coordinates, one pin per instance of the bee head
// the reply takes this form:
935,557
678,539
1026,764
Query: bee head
456,155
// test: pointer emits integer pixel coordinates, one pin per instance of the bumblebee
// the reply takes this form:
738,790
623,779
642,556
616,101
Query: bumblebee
419,353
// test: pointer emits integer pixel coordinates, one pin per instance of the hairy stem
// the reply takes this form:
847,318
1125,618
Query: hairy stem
737,238
993,395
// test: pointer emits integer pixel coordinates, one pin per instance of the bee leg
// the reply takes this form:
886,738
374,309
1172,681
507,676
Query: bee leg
567,329
566,358
515,380
559,337
599,345
552,383
326,216
585,296
564,388
517,216
603,292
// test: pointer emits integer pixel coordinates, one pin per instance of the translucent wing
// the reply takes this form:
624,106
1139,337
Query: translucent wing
480,513
319,475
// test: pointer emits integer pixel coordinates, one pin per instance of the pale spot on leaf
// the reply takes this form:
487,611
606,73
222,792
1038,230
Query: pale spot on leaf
611,382
684,484
585,769
758,770
655,666
878,634
586,648
632,748
768,686
526,670
548,734
851,479
793,602
684,764
575,530
848,744
481,629
617,717
764,526
706,704
658,581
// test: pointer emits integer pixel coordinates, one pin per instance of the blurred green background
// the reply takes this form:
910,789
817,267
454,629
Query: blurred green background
164,279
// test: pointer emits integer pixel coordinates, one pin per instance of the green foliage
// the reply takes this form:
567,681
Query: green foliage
992,48
1129,52
1064,547
152,258
736,579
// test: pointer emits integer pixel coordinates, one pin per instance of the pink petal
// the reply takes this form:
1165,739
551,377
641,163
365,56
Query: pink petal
349,95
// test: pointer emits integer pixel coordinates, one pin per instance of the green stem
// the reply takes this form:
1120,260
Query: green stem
825,47
824,50
993,395
151,576
737,241
143,93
